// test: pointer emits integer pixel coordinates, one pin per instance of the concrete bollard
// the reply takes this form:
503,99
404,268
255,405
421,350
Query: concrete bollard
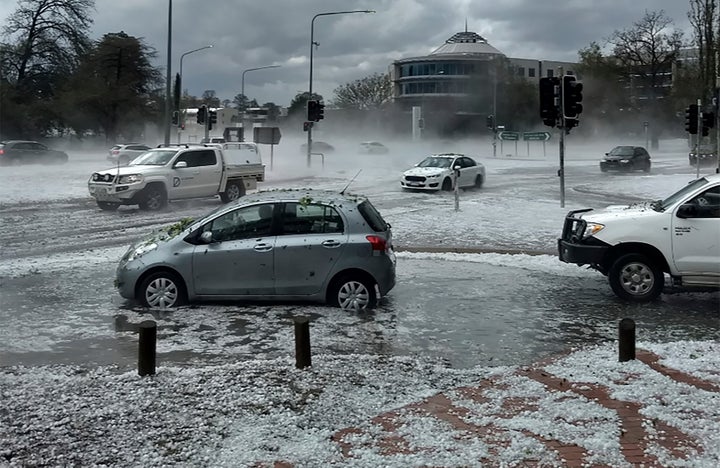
626,337
302,342
147,343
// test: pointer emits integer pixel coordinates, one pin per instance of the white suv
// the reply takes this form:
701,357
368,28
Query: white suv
123,154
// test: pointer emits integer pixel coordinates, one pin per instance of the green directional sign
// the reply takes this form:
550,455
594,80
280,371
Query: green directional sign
536,136
509,136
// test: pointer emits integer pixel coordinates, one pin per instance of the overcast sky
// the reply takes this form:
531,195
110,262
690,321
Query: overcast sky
249,34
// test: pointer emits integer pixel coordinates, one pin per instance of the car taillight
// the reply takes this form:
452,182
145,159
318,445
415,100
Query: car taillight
2,151
115,151
377,243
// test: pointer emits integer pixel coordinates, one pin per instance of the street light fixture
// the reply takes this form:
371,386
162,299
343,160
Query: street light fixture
209,46
312,43
242,87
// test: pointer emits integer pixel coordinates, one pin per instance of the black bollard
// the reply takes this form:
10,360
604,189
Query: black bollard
146,348
302,342
626,335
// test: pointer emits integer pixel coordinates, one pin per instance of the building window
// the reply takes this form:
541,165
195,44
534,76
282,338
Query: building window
521,71
531,72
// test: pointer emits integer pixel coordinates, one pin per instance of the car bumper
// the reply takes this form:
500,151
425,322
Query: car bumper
616,166
417,185
581,254
112,193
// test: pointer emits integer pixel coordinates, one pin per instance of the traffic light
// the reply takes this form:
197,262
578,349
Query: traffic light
212,119
549,100
708,122
312,109
201,114
490,122
175,117
572,97
691,119
307,126
315,111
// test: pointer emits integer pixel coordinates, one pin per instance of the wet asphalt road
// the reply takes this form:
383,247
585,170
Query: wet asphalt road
464,313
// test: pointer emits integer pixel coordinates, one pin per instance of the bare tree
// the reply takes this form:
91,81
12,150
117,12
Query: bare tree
646,53
704,18
370,92
45,36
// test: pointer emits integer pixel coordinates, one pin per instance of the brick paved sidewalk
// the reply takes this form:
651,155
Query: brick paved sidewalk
518,420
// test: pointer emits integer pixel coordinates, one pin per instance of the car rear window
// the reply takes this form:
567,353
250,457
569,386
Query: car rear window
372,216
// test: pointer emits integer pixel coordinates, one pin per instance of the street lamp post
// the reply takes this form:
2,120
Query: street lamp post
168,86
242,89
312,43
209,46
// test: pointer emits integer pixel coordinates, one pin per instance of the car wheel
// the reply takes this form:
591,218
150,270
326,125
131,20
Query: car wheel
162,290
154,198
478,181
351,292
635,277
233,191
106,206
647,167
447,185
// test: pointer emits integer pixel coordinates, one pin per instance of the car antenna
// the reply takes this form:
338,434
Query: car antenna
342,192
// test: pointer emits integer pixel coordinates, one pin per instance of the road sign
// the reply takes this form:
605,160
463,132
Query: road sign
536,136
509,136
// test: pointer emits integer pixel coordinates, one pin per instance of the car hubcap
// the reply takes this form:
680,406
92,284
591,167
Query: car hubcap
162,293
637,279
353,295
233,192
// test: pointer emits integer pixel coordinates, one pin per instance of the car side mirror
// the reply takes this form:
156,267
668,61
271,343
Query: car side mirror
206,237
180,164
457,167
688,210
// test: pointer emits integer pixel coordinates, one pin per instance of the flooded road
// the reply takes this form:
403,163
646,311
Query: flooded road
59,253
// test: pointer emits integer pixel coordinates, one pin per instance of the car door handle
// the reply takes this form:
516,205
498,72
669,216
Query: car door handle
262,247
331,243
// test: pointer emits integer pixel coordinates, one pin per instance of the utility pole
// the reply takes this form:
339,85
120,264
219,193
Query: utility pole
561,171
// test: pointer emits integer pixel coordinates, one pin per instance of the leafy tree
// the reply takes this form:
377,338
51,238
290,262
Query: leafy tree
43,41
210,98
114,88
273,111
241,102
370,92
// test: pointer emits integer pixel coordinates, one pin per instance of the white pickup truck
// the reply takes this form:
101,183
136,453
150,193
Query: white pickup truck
179,172
636,245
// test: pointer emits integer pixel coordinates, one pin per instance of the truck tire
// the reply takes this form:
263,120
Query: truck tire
636,278
153,198
233,191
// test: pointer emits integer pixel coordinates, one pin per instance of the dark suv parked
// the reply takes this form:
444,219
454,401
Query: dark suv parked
14,152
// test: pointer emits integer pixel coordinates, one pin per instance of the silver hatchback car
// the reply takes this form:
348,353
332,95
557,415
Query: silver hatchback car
277,245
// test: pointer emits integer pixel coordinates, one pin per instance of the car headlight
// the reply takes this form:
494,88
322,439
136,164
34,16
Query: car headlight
591,229
624,161
139,251
130,179
433,176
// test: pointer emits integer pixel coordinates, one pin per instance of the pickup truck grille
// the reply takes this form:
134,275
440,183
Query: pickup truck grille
414,178
106,178
574,227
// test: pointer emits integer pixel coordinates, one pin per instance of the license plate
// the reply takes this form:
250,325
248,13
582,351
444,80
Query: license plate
414,184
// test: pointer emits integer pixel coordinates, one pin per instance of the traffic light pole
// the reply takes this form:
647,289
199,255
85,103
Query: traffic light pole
698,137
561,171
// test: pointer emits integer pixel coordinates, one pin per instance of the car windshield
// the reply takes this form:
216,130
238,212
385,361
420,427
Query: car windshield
662,205
154,158
622,151
433,161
